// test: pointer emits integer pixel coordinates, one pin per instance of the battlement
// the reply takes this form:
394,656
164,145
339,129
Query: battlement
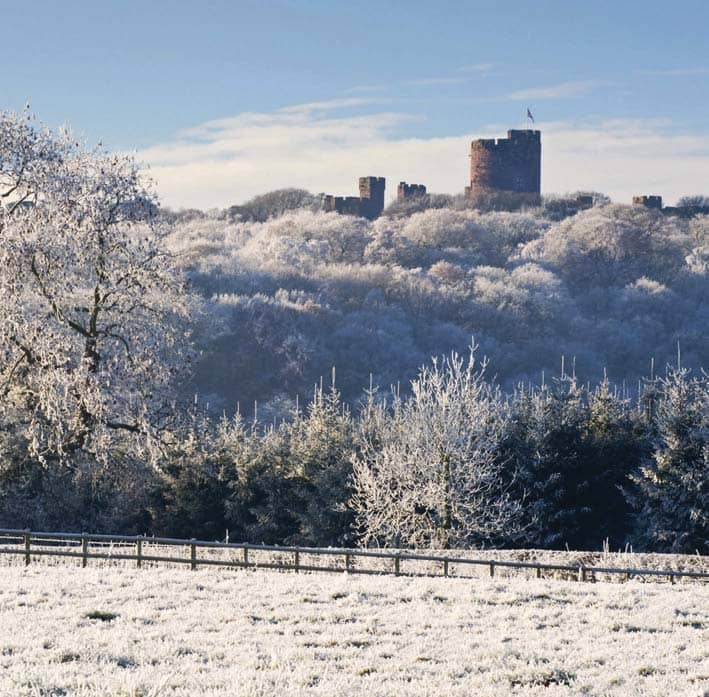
527,135
369,204
406,191
512,164
513,137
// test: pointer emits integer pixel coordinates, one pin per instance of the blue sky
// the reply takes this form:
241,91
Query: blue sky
226,99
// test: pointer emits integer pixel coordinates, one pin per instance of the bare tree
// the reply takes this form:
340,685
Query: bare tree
427,474
92,315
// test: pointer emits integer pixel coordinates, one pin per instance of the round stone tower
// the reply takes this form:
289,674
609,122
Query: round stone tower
512,164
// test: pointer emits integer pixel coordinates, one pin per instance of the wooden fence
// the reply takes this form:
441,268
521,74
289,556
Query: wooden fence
151,550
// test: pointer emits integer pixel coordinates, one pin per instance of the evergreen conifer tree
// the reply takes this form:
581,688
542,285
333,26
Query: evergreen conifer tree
672,485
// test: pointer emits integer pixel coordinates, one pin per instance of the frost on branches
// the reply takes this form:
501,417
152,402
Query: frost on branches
427,474
92,316
672,486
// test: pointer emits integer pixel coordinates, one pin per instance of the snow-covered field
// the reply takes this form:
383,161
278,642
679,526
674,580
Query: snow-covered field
114,632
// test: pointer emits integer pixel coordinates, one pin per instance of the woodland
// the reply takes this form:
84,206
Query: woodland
440,377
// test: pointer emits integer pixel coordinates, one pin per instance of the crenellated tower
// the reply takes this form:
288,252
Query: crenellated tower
371,194
511,165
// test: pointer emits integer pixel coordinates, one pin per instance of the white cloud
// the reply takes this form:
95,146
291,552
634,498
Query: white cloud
625,157
227,161
328,105
476,68
435,81
365,88
564,89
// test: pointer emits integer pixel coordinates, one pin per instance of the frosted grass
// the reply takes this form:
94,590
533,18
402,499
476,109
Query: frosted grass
220,632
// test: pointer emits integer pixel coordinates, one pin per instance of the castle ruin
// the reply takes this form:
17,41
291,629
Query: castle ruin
648,202
405,192
505,174
369,204
498,166
506,165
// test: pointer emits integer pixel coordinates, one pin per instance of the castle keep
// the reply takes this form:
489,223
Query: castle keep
512,164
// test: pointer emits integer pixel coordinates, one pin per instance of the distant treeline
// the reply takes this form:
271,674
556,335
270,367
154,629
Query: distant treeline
290,293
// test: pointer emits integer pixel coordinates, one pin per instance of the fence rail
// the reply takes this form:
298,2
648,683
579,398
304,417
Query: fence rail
119,548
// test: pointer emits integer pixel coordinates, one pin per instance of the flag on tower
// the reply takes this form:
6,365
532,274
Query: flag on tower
529,115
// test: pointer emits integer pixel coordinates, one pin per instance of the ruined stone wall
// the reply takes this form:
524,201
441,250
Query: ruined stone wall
648,201
512,164
369,203
345,205
406,191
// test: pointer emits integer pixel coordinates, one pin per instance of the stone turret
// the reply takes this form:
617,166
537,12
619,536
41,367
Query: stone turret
371,194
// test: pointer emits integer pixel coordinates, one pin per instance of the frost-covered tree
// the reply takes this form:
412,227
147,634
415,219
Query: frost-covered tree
695,204
615,440
191,489
672,485
572,450
558,207
427,475
304,291
272,204
322,446
416,204
258,472
546,448
92,314
288,482
612,246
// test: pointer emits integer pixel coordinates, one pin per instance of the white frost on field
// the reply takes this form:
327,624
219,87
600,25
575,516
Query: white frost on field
212,632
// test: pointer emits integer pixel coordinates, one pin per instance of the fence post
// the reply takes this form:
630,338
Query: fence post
193,555
347,561
26,537
296,558
139,551
582,573
539,572
396,565
84,550
672,579
246,556
445,567
492,569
